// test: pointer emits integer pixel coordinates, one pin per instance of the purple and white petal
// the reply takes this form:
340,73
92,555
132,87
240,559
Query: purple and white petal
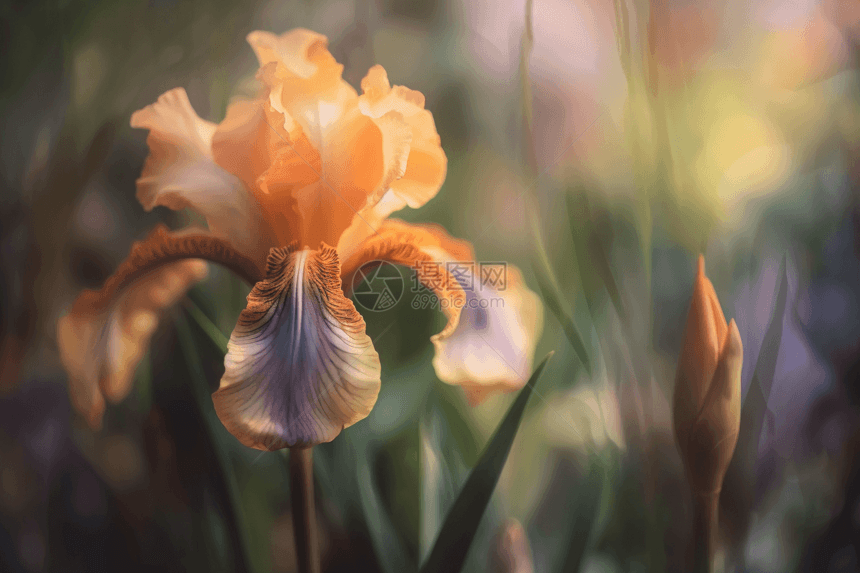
494,343
300,366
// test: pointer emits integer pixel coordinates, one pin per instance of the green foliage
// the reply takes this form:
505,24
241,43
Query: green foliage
458,530
214,430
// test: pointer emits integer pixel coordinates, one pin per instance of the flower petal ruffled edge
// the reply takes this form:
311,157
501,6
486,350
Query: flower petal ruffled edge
181,172
364,155
259,142
427,164
300,366
492,349
417,247
489,341
316,95
106,332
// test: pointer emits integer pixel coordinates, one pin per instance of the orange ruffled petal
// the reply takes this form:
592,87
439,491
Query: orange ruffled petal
362,157
418,247
181,172
101,347
106,332
489,341
427,164
272,156
314,92
322,160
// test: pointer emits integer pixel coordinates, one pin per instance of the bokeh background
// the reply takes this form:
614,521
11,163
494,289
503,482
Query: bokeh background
724,127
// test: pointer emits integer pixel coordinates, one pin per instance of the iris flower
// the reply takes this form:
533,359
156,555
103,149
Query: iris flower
296,186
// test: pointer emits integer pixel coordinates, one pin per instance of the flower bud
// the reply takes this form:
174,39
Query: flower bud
707,402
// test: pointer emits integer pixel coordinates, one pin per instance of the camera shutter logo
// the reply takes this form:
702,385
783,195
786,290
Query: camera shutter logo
377,285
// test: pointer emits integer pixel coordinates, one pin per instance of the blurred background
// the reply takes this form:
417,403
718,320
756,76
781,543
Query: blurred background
658,131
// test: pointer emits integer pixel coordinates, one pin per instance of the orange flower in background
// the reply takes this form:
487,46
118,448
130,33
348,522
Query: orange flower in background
707,402
309,162
512,552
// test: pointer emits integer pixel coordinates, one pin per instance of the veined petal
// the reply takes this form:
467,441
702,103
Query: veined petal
427,164
420,247
181,172
493,346
106,332
300,366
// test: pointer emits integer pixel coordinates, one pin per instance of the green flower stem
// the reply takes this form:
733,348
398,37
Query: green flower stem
304,514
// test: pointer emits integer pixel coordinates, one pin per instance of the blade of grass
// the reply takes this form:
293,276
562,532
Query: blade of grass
548,292
143,384
448,450
206,325
546,278
590,252
526,94
549,289
389,549
458,530
585,517
236,514
755,404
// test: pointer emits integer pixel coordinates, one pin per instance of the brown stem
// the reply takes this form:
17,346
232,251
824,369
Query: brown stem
705,523
304,515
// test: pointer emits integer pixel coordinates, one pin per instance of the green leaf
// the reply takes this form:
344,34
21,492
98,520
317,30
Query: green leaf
755,404
143,383
548,292
585,514
386,541
739,481
224,467
206,325
455,538
448,451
